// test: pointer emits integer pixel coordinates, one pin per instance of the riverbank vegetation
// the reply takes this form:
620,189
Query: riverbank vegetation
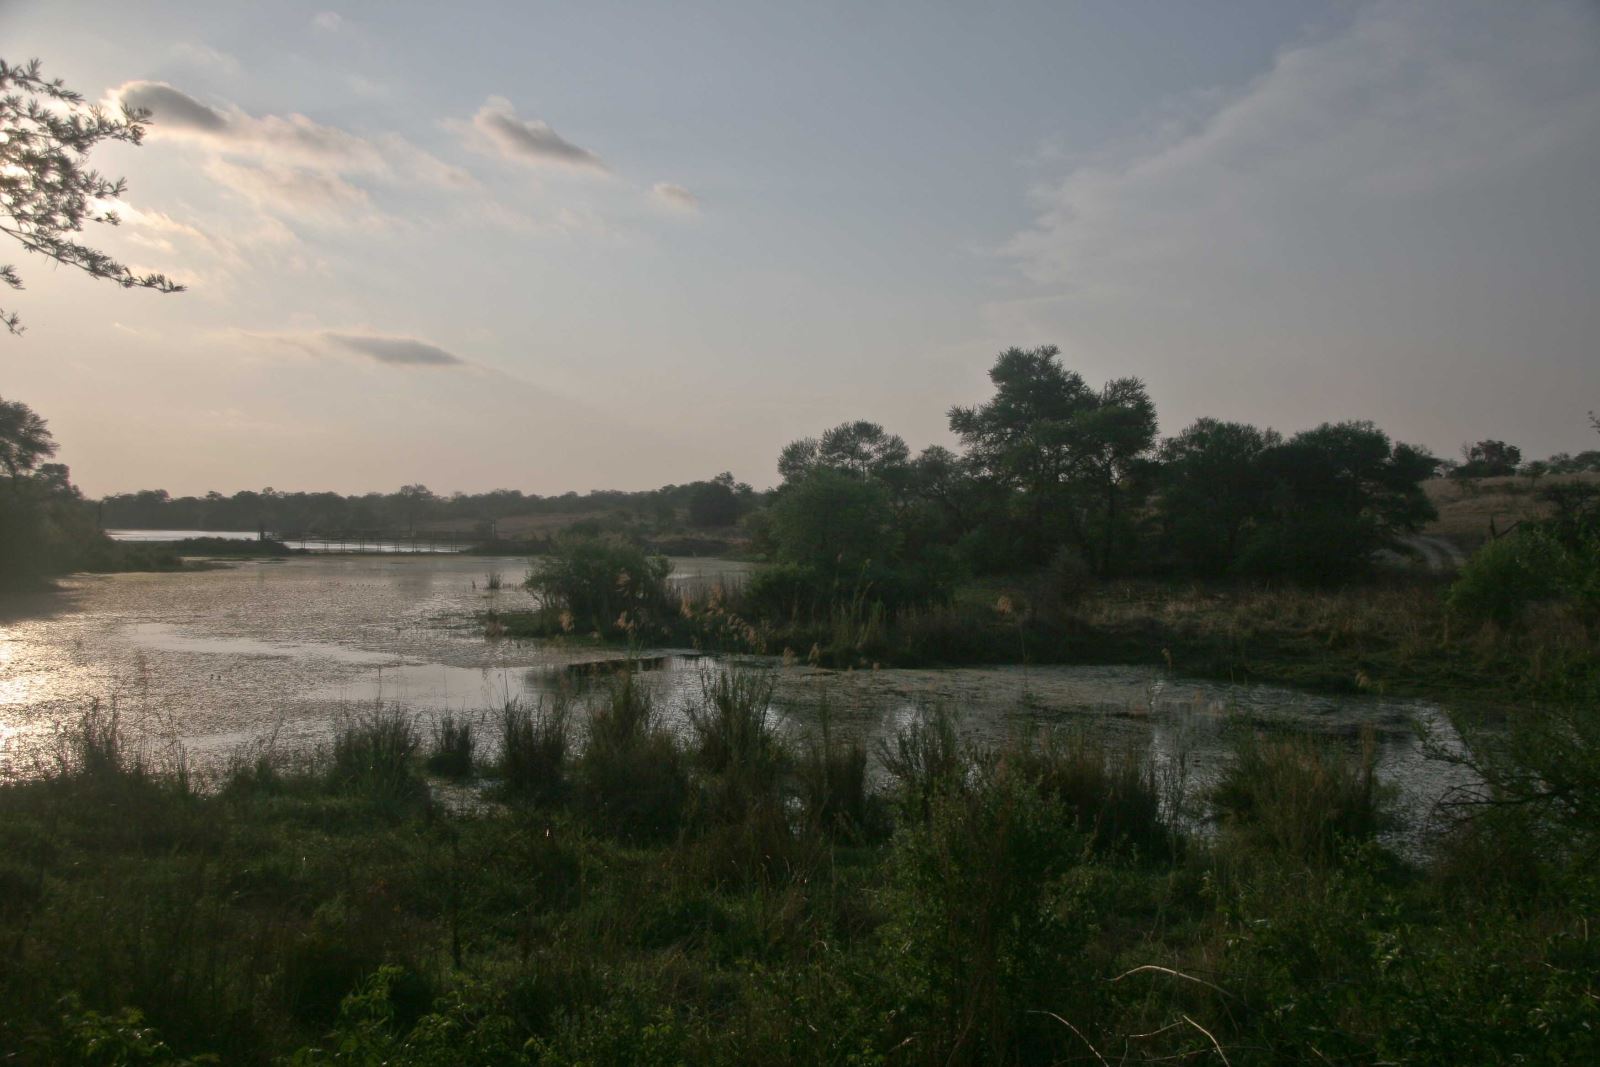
608,888
1067,533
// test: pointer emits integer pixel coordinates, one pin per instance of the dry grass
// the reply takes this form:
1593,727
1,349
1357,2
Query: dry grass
1468,507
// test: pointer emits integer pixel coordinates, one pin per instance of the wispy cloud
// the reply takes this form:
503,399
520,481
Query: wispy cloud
392,350
1411,100
292,139
1411,194
675,197
499,128
327,21
396,351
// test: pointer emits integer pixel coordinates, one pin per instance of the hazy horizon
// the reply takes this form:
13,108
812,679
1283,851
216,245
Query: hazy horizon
595,247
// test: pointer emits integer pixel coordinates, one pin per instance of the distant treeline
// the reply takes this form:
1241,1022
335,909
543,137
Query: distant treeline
719,501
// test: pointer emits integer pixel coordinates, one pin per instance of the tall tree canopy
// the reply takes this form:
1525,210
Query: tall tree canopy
1070,453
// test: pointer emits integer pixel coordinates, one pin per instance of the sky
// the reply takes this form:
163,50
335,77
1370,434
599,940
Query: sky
566,246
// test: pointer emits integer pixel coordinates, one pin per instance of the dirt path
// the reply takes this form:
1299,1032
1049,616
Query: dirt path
1440,555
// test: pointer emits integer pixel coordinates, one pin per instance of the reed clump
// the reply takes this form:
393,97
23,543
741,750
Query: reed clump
454,745
535,748
1297,796
375,751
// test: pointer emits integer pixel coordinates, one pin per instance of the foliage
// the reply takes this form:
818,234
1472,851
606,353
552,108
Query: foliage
631,775
1506,575
373,752
1488,459
47,192
45,528
603,584
1073,458
863,449
1338,494
926,759
299,921
714,503
1111,796
983,923
1214,491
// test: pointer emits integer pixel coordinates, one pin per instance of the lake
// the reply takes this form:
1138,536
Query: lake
284,649
420,543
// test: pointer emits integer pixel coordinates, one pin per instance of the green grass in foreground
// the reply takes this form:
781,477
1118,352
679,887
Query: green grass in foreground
626,894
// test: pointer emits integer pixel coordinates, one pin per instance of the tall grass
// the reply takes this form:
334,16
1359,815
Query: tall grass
453,747
1302,797
925,757
535,743
96,747
631,775
374,751
732,724
833,783
1111,794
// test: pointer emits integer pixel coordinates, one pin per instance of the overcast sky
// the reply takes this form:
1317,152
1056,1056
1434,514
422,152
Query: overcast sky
583,245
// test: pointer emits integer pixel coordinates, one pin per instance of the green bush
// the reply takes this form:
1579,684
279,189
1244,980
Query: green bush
983,928
833,785
604,585
1506,575
1110,794
926,759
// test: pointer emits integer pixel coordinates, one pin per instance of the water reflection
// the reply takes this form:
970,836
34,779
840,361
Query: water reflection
216,658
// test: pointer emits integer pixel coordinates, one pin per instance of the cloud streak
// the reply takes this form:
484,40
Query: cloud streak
1391,207
675,197
390,350
285,162
529,141
395,351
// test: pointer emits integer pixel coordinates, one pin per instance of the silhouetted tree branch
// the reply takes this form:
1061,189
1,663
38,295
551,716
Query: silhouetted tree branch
47,192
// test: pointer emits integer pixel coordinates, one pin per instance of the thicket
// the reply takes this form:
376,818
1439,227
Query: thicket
1046,900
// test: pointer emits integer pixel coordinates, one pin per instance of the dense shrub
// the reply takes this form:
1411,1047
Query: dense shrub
983,927
1506,575
1111,795
604,585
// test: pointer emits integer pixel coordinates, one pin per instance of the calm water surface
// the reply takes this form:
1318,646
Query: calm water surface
224,658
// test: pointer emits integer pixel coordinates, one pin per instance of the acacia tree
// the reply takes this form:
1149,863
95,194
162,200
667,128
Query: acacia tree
47,190
1213,489
1069,453
861,448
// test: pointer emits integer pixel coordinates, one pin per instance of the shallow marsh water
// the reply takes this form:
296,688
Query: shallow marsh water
225,658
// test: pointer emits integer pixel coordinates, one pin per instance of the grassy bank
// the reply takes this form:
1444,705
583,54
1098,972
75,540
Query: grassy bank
608,891
1391,636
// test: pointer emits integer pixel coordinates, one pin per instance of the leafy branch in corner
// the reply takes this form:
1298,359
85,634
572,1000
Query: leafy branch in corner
47,192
